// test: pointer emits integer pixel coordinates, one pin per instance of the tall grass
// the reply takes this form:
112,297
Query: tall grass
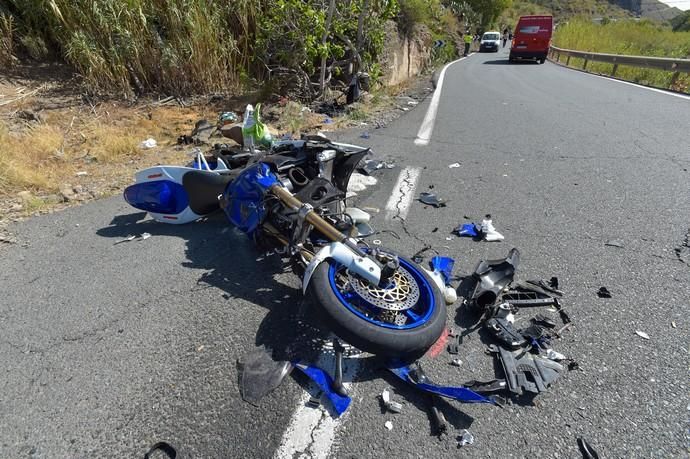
6,40
640,38
173,46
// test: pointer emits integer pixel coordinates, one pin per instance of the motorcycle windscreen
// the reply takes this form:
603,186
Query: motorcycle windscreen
244,197
160,196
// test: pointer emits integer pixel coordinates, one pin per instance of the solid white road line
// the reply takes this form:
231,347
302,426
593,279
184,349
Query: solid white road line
403,193
312,431
427,127
630,83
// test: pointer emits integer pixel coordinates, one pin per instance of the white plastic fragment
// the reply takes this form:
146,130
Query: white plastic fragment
390,405
81,174
454,166
490,233
127,239
673,324
389,425
642,334
456,362
145,236
553,355
148,143
358,215
465,438
360,182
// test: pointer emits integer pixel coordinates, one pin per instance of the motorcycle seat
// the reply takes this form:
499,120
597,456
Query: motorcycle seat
203,189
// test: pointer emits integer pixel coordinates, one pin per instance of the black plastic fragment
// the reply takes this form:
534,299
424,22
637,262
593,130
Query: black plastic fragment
454,345
526,372
492,277
505,332
534,331
486,387
439,425
586,449
604,293
544,321
165,447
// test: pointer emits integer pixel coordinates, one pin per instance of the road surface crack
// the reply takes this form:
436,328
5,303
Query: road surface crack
683,252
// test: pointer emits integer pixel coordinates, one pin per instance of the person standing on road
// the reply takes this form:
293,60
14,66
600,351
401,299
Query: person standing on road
468,42
505,37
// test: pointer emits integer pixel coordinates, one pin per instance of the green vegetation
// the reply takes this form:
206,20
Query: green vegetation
681,23
181,47
640,38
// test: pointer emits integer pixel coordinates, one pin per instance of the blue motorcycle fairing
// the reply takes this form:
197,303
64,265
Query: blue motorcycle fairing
244,197
444,266
413,375
325,383
160,196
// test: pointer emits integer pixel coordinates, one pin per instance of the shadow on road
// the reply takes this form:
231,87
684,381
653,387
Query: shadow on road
233,264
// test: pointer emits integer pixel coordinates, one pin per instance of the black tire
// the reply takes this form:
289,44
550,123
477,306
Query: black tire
369,337
542,60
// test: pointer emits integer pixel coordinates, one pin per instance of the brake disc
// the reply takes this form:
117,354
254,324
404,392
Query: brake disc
402,292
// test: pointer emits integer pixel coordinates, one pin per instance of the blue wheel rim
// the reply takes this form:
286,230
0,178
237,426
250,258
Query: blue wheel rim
416,316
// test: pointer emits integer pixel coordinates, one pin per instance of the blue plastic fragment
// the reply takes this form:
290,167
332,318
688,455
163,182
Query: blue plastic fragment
467,230
461,394
444,266
325,383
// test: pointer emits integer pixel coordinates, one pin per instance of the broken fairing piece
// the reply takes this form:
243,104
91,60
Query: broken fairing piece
453,166
390,405
414,375
505,332
431,199
489,232
145,236
260,374
492,277
465,438
518,364
486,387
325,383
467,230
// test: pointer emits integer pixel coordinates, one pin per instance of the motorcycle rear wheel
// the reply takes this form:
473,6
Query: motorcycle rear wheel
355,318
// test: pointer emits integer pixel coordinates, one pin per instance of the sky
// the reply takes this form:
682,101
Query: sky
680,4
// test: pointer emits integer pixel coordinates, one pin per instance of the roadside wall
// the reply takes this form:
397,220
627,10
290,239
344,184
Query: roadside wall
404,58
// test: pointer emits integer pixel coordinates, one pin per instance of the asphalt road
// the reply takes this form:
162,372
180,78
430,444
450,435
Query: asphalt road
108,348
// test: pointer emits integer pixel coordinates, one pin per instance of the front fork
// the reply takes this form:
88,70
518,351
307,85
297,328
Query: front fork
343,249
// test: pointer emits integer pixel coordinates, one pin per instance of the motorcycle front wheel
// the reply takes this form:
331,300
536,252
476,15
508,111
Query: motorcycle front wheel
404,318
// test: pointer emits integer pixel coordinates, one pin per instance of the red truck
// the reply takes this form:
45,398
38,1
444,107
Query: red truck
532,38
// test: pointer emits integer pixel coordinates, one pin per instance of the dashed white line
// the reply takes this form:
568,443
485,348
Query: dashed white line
427,127
403,193
312,431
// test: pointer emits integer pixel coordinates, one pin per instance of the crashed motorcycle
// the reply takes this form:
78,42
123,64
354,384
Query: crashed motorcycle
292,200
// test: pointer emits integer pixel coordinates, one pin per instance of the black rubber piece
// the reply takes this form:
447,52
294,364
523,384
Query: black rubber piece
367,336
167,449
203,190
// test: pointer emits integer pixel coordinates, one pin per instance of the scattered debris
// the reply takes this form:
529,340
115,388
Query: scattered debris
453,347
603,293
369,166
145,236
148,143
488,231
327,120
614,243
465,438
365,135
81,174
586,449
454,166
439,423
673,324
259,374
127,239
456,362
467,230
314,402
389,404
388,425
431,199
553,355
642,334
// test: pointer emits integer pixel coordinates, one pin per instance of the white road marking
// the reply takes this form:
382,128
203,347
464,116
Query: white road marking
630,83
403,193
427,127
312,431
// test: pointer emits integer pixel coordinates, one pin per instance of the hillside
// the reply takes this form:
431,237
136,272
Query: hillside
562,9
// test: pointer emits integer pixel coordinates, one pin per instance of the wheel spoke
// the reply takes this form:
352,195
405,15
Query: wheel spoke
412,315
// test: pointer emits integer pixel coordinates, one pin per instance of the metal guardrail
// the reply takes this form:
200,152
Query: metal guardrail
677,66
